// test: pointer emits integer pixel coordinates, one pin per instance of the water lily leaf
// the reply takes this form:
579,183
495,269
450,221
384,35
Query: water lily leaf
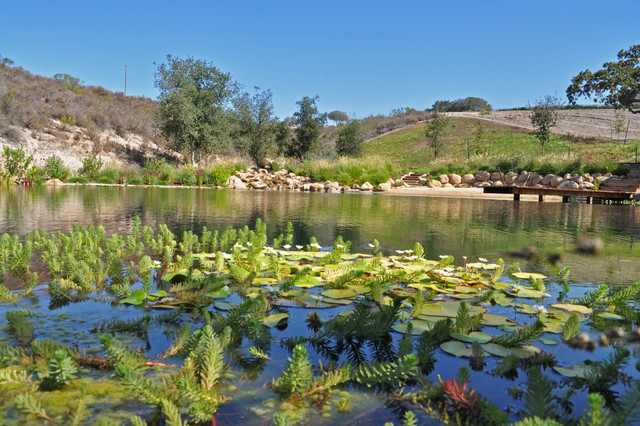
177,276
609,315
335,293
548,341
528,275
313,301
264,281
474,336
456,348
525,293
157,295
308,282
338,301
449,309
499,285
573,308
419,326
467,289
553,326
204,255
577,370
360,288
224,306
527,309
502,351
275,319
493,319
463,296
136,298
220,294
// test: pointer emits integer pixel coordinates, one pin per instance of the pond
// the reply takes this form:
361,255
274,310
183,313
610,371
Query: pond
540,237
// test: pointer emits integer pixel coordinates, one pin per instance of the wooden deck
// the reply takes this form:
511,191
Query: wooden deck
566,194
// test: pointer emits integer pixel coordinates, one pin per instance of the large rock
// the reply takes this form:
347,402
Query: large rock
601,179
482,176
555,181
316,187
547,179
234,182
568,184
469,179
455,179
366,187
258,184
443,179
496,176
434,184
55,182
522,178
535,179
587,185
510,178
384,186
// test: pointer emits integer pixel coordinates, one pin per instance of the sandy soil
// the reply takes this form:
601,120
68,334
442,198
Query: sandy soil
587,123
423,191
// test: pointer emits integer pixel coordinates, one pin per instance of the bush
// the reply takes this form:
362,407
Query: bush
166,173
134,181
54,168
77,180
91,166
105,179
110,175
16,161
217,176
375,177
186,177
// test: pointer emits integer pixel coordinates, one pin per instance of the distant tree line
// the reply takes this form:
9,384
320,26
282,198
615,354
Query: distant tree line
462,105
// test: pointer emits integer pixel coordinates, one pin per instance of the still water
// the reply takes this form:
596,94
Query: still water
460,227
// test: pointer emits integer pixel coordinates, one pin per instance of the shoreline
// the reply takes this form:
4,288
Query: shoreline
462,193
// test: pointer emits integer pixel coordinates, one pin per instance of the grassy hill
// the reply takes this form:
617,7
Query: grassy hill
473,144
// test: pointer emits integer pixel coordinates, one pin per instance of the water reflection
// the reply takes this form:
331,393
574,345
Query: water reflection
461,227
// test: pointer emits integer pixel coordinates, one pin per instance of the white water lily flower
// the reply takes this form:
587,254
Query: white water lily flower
238,245
316,297
399,251
449,269
315,245
371,245
545,294
443,256
482,259
157,263
287,246
540,308
339,246
464,257
414,257
517,287
298,247
249,244
408,251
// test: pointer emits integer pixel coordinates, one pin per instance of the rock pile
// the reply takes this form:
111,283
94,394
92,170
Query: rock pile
283,180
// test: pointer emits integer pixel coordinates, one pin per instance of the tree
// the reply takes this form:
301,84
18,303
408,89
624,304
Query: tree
460,105
255,124
310,123
435,127
544,117
616,84
350,139
338,117
284,137
193,102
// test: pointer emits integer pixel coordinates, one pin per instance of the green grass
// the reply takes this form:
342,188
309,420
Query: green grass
502,146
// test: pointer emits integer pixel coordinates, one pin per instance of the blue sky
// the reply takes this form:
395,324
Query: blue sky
362,57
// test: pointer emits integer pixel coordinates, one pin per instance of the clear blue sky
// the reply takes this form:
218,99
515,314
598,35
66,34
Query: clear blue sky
362,57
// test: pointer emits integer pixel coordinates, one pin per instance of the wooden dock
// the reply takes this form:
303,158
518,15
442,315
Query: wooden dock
567,194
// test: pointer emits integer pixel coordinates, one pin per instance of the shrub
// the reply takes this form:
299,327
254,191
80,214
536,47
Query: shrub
375,177
105,179
200,175
134,181
186,177
166,173
55,169
149,179
77,179
217,176
109,176
16,161
91,165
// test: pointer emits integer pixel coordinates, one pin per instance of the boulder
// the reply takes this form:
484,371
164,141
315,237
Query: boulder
469,179
366,187
433,183
258,184
568,184
481,184
316,187
455,179
482,176
447,185
587,178
498,183
555,181
235,182
242,176
522,178
510,178
386,186
355,186
496,176
601,179
443,179
55,182
589,245
345,188
547,179
587,185
535,179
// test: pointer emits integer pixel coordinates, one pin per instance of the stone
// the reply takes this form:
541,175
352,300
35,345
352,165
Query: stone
482,176
587,178
355,186
547,179
455,179
587,185
469,179
481,184
498,183
443,179
242,176
386,186
345,188
589,245
235,182
258,184
366,187
522,178
555,181
316,187
535,179
601,179
433,183
447,185
510,178
568,184
54,182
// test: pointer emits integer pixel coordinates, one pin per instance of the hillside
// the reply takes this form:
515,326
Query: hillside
474,141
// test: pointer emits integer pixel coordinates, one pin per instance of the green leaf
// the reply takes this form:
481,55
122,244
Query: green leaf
502,351
609,315
474,336
136,298
528,275
340,293
419,326
456,348
573,308
577,370
493,319
548,341
220,294
275,319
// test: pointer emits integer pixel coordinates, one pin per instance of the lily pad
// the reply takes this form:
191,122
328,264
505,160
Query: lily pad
528,275
223,306
577,370
573,308
136,298
474,336
419,326
275,319
308,282
157,295
493,319
502,351
548,341
456,348
609,315
340,293
220,294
